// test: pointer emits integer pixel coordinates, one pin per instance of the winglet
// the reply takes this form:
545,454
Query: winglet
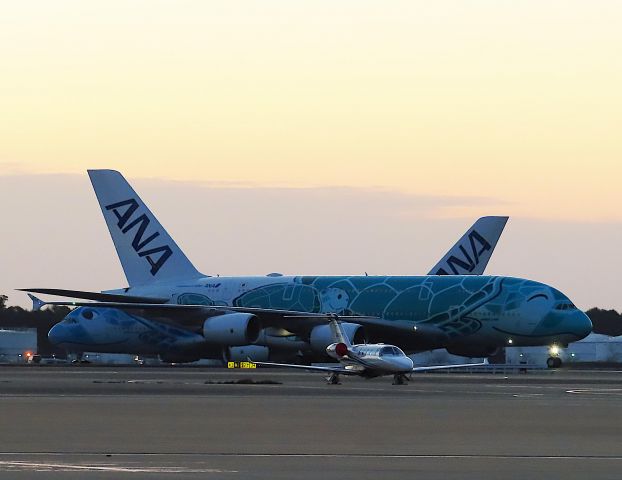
37,303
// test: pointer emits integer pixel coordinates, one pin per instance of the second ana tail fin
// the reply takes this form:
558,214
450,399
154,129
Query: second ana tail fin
147,252
471,254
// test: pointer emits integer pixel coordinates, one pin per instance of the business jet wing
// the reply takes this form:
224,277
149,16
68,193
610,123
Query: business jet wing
445,367
314,368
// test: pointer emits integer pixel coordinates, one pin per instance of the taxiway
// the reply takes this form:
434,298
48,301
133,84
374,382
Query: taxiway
143,422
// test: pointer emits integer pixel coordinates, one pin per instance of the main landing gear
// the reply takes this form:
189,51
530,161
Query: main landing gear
400,379
79,359
333,379
553,362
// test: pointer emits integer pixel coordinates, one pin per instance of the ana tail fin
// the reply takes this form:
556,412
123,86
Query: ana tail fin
471,254
147,252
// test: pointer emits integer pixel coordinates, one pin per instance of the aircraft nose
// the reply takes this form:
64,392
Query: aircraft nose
582,325
408,364
56,334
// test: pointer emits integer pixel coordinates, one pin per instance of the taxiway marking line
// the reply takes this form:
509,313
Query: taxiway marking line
296,455
39,466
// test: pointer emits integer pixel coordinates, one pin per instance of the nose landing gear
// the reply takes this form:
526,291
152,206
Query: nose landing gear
333,379
400,379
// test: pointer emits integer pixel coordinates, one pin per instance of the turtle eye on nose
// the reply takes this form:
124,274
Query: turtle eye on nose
538,295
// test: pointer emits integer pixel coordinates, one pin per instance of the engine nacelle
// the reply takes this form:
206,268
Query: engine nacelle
321,336
473,351
270,337
257,353
232,329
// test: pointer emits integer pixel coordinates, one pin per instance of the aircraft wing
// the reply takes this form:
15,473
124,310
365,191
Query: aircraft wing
171,308
287,319
340,370
96,296
417,337
445,367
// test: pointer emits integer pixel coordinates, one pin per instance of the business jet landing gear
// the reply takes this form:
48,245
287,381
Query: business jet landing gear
333,379
400,379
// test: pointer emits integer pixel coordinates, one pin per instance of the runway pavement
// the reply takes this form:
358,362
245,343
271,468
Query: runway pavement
139,422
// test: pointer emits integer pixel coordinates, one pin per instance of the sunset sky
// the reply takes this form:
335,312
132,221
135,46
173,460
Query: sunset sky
463,108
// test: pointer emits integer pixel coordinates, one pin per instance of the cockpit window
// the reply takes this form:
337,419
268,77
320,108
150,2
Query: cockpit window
390,351
565,306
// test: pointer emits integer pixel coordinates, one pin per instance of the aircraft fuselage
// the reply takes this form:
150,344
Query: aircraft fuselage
470,311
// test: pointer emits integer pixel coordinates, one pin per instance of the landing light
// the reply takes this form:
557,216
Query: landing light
554,350
510,341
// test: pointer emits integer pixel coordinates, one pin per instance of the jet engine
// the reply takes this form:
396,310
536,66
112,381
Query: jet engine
232,329
473,351
321,336
242,354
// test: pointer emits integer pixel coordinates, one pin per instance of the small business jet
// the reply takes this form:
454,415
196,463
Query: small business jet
365,360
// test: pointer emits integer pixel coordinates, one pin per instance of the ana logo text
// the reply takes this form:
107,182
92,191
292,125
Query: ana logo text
156,256
477,245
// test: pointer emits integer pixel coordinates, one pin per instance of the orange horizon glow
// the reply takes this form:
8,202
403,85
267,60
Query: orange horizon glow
517,102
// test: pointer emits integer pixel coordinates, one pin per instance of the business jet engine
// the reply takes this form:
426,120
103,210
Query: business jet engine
321,336
232,329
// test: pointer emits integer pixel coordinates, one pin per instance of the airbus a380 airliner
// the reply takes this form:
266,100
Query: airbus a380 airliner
172,310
